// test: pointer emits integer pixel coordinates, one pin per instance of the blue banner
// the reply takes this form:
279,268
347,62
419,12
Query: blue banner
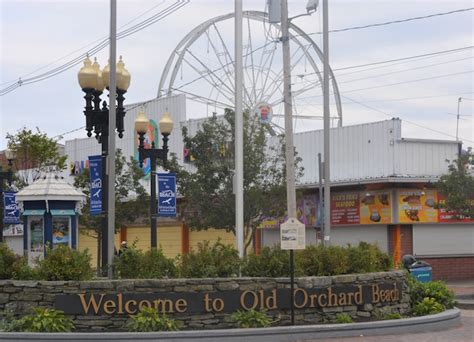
95,165
166,194
11,213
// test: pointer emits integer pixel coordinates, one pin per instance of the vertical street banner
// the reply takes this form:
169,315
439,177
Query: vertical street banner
95,166
11,213
166,194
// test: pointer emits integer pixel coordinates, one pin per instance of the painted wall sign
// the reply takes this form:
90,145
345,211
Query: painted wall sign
417,206
166,194
345,208
229,301
375,207
446,216
95,164
11,212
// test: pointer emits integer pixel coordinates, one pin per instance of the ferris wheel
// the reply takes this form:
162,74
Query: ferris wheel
202,67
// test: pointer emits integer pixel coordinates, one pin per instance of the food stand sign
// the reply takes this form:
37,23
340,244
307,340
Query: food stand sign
345,208
375,207
417,206
292,234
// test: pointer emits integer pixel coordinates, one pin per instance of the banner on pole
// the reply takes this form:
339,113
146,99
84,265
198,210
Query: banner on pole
11,213
166,194
95,165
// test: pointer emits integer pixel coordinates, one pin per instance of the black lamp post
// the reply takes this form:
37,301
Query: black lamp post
141,126
5,176
92,81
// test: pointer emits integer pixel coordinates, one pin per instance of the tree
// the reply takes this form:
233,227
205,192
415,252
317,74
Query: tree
209,201
458,186
131,198
35,153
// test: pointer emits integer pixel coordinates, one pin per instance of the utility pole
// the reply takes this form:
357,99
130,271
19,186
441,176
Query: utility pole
327,159
457,121
239,132
321,198
289,149
112,122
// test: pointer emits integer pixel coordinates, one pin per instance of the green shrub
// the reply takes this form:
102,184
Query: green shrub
7,259
342,318
272,262
427,306
251,319
22,271
323,261
64,263
395,315
434,289
367,258
128,264
156,265
208,261
132,263
148,319
44,320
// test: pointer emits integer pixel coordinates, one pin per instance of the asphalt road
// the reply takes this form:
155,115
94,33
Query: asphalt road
463,333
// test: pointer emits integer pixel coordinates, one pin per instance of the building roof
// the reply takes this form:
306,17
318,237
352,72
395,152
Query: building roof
50,187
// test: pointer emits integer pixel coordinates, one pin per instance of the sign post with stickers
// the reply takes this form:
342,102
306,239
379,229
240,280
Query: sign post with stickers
292,236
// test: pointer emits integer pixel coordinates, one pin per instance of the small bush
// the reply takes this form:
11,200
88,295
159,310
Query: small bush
342,318
22,271
251,319
272,262
148,319
208,261
44,320
7,259
395,315
323,261
367,258
156,265
127,265
434,289
64,263
427,306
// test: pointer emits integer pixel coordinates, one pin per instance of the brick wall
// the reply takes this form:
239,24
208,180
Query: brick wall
406,239
451,268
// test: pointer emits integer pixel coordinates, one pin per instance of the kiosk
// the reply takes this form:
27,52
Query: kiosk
50,208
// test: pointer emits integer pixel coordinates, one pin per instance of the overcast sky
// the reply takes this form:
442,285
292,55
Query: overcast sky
36,33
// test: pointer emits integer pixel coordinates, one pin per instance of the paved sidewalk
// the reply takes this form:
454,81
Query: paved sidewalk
462,288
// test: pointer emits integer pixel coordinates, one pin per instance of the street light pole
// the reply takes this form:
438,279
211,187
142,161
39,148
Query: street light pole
93,81
457,121
141,126
327,159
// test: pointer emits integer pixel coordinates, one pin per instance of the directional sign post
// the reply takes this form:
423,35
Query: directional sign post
95,165
166,194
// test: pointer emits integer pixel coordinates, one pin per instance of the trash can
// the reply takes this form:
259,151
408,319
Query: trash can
421,271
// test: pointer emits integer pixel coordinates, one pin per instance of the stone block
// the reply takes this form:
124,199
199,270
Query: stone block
334,309
322,281
368,307
363,314
365,276
24,283
4,298
345,278
226,286
96,285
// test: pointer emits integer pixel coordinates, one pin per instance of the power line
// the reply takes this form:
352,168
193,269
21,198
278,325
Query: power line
397,21
104,43
407,121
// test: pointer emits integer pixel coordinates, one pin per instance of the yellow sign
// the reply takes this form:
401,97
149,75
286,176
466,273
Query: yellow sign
417,206
375,207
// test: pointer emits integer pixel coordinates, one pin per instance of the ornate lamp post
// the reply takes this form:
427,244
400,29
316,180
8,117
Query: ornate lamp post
8,176
93,81
141,126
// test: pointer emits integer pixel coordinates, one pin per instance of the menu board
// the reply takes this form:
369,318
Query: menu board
345,208
446,216
417,206
375,207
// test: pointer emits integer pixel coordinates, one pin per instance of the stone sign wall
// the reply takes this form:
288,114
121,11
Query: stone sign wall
208,303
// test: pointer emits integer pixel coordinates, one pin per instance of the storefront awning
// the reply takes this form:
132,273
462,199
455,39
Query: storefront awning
62,212
33,212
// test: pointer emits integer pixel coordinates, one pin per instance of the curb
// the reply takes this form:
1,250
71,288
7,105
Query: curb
441,321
